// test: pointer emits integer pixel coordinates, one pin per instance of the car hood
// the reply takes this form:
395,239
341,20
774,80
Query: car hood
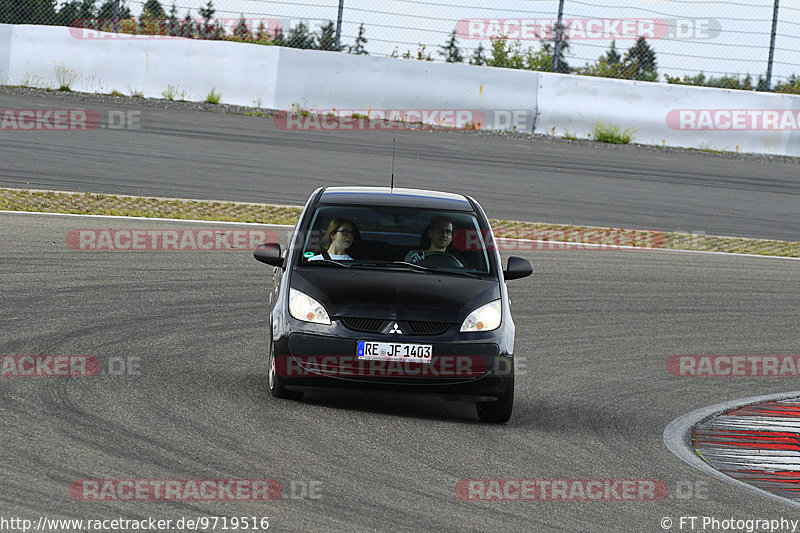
394,294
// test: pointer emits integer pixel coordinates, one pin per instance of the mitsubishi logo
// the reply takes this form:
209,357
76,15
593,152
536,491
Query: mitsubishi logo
396,329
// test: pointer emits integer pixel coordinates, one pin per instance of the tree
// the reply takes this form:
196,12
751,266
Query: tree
261,32
639,63
722,82
422,54
173,25
86,10
478,57
608,65
450,50
208,11
506,54
641,59
27,12
358,45
510,54
152,9
242,31
67,15
188,27
209,30
278,39
299,37
612,57
105,15
790,86
327,37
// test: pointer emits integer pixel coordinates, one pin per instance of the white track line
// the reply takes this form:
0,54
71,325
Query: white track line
122,217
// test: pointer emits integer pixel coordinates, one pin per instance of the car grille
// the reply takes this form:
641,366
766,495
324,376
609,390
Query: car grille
367,325
376,325
419,327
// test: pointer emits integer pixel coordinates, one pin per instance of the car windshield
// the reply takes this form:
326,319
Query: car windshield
389,237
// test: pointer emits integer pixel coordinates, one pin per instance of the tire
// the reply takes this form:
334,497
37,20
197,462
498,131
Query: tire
276,387
498,411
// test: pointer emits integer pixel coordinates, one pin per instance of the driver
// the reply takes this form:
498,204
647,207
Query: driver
435,239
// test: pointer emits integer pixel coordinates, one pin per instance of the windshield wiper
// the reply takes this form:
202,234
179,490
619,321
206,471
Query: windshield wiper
416,266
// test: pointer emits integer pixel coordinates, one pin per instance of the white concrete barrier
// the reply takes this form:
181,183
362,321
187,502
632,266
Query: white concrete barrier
488,98
495,98
670,115
6,33
41,56
267,76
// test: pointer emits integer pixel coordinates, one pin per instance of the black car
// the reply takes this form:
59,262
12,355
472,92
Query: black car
393,289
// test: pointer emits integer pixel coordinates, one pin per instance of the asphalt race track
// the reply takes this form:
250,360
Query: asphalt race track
189,401
180,342
219,156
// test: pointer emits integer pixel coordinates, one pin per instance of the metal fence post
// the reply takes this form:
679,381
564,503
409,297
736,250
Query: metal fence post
557,47
339,26
772,45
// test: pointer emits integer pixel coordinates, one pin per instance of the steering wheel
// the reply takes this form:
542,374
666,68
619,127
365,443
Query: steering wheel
441,259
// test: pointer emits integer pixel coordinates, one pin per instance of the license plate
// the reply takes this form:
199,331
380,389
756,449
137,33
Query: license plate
392,351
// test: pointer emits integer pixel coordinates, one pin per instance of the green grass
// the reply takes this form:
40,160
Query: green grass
570,136
116,93
65,77
107,204
610,133
148,207
169,94
213,97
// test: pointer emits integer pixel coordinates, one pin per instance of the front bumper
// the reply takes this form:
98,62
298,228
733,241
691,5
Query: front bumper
459,370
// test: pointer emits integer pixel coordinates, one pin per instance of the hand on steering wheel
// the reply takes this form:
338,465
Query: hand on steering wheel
441,259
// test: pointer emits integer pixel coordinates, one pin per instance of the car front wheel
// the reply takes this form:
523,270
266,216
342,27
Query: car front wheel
498,411
276,387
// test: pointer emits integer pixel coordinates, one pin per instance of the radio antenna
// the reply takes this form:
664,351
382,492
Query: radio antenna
392,183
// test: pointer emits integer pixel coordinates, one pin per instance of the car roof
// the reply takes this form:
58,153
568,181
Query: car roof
396,196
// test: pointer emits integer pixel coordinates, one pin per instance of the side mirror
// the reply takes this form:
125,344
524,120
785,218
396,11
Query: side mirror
269,253
518,267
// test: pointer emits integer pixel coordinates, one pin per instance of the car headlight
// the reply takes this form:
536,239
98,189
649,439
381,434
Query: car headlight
305,308
485,318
